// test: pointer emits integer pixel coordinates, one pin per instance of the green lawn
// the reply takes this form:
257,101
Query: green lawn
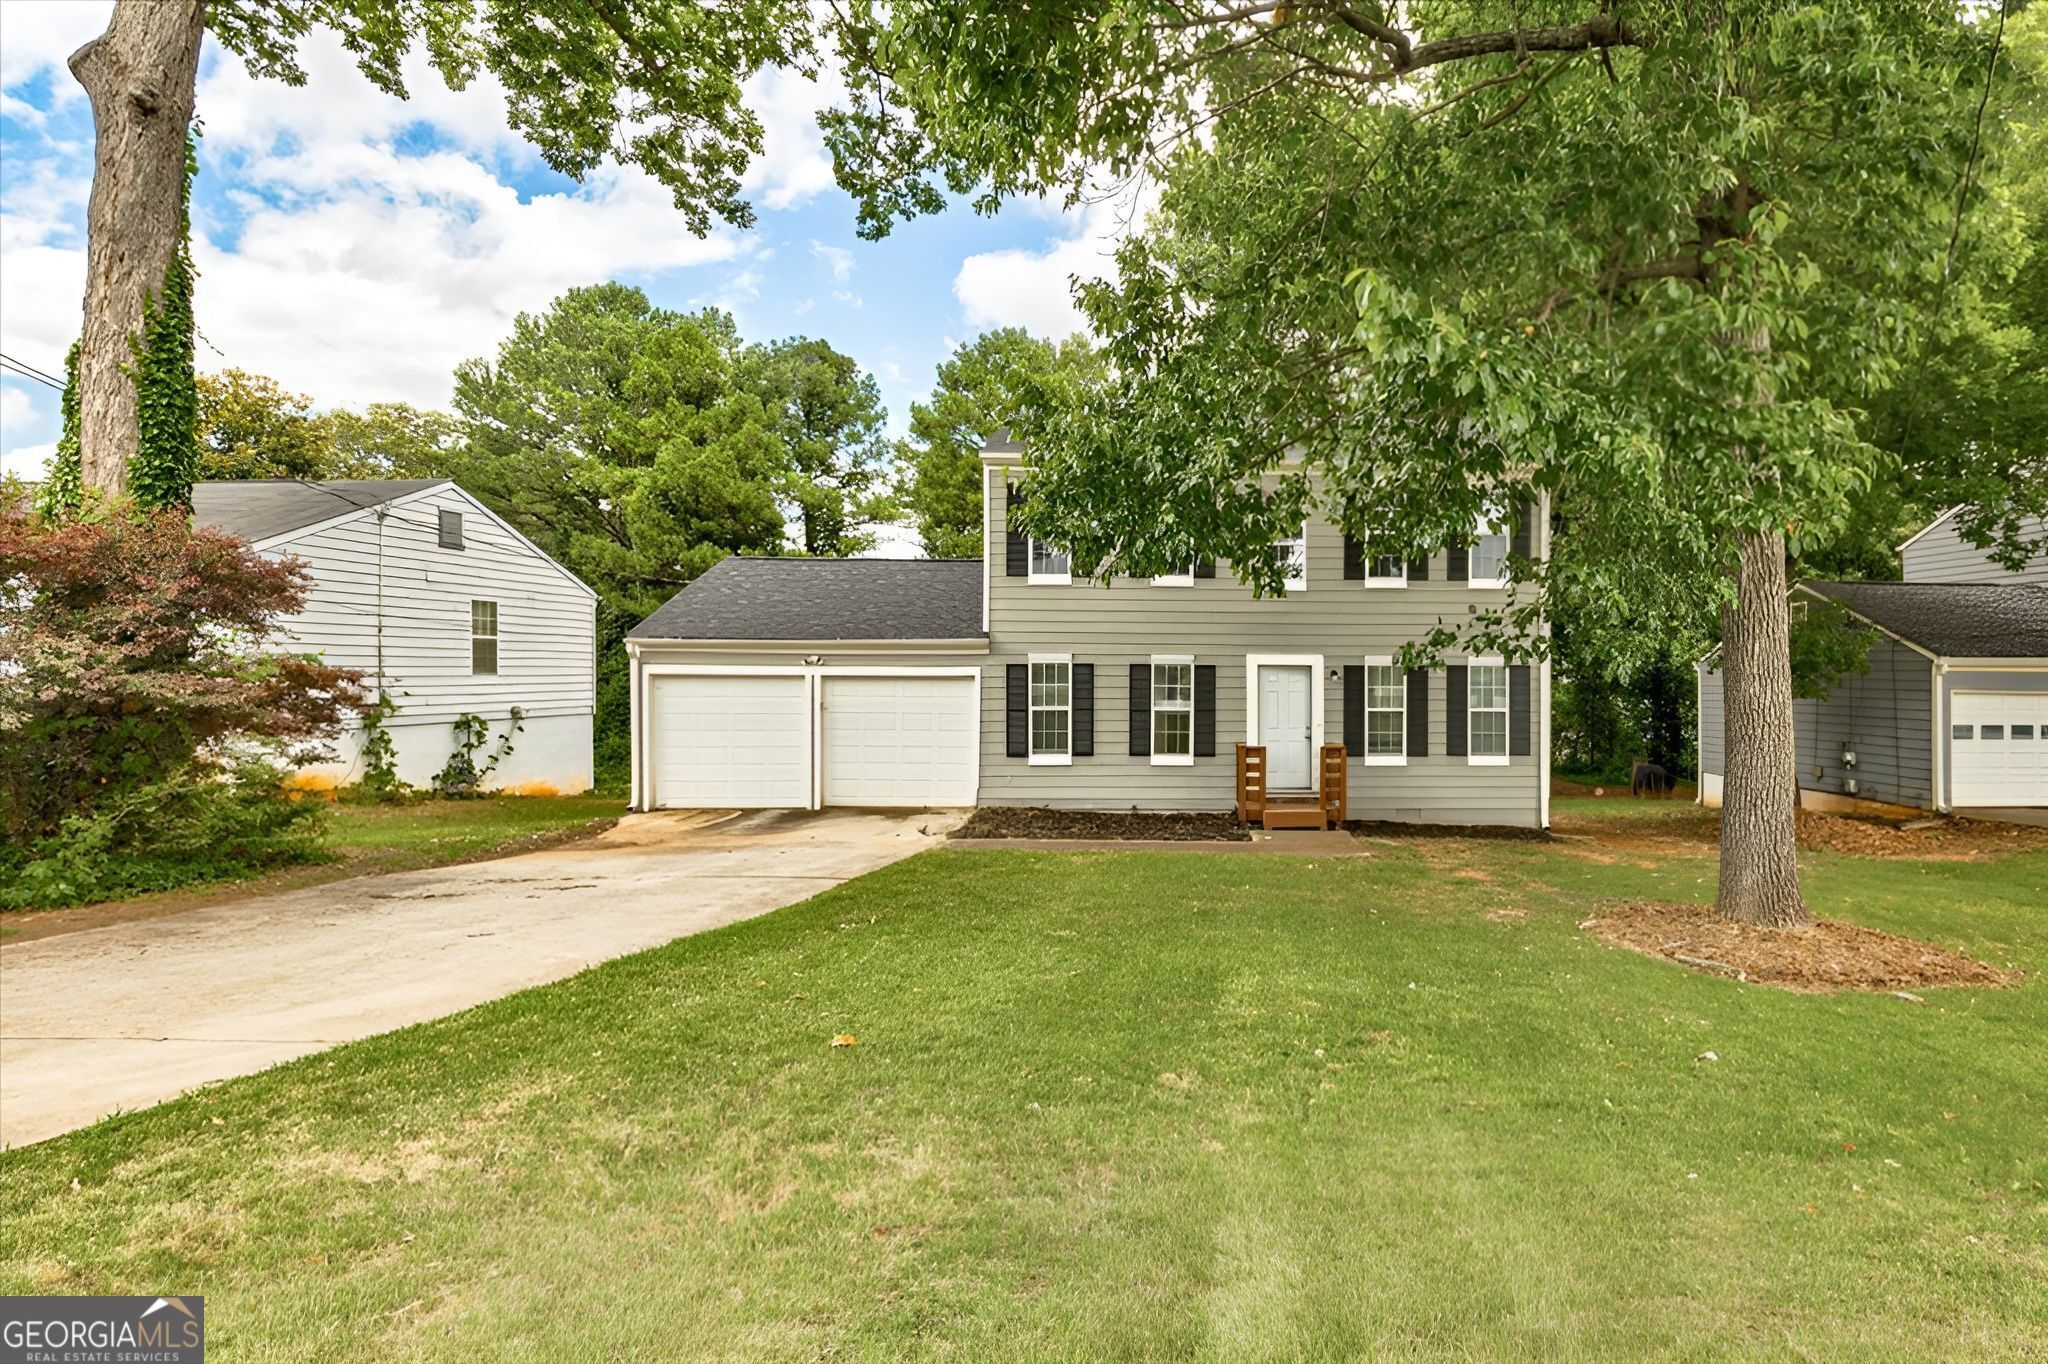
402,837
1129,1105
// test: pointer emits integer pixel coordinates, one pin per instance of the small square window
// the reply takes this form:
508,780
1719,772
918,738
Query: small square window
1049,565
2022,731
1960,731
1992,732
451,529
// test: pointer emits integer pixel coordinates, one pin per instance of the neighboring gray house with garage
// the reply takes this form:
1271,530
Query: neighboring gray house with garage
1953,713
1013,680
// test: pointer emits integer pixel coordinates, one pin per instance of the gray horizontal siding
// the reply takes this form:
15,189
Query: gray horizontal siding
1220,622
1882,716
1943,556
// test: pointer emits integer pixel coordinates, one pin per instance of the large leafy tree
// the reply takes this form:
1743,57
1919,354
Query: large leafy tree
251,426
1416,263
829,414
995,382
650,83
394,440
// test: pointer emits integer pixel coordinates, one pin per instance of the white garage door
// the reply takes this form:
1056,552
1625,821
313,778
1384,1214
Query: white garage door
1998,748
899,741
730,741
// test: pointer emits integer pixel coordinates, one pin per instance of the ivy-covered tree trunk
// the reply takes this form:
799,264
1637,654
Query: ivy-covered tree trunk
1759,831
140,76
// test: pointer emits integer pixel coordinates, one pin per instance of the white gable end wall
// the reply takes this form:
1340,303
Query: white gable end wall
389,600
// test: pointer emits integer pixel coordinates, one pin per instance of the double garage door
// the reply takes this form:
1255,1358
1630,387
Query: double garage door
794,741
1998,748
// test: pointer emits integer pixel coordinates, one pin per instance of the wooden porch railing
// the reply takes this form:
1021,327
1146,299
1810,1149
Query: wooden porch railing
1336,781
1327,808
1251,784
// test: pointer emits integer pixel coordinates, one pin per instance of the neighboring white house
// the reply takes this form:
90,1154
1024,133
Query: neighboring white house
443,607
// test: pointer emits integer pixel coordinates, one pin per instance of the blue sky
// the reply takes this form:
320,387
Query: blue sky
355,247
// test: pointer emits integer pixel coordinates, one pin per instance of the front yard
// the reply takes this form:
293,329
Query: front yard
1130,1105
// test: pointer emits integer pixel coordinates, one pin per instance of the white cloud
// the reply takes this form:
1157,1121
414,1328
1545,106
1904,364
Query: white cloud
41,35
1019,287
28,461
794,165
800,309
847,296
837,259
17,409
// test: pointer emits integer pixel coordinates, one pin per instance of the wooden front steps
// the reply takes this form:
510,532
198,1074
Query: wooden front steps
1320,809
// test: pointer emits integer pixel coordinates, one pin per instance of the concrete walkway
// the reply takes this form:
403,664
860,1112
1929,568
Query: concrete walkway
1295,842
131,1014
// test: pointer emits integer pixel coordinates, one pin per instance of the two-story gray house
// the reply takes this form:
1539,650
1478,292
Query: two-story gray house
1014,679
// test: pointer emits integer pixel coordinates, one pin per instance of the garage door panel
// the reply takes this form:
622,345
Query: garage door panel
1998,748
899,741
722,741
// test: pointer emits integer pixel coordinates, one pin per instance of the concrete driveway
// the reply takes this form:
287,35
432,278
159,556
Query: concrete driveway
130,1014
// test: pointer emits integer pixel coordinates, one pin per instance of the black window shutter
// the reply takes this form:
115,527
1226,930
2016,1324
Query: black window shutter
1454,565
1418,712
1017,546
1418,570
1354,559
1141,710
1017,710
1205,566
1082,693
1205,710
1354,710
1518,710
1520,544
1454,710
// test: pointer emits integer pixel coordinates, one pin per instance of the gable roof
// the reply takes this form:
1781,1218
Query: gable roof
259,508
825,599
1952,620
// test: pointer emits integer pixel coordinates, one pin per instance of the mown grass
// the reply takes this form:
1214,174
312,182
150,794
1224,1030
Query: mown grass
1129,1105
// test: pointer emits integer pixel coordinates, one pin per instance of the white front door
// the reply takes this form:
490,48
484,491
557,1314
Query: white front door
1998,748
1286,728
899,741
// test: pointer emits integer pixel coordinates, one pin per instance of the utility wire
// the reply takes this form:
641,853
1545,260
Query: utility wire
10,365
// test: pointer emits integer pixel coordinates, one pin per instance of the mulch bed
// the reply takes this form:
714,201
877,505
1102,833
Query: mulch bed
1031,821
1937,838
1388,828
1831,955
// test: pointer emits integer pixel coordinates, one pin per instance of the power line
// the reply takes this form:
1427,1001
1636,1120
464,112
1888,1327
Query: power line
10,365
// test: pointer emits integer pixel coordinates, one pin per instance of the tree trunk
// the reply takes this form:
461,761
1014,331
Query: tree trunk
140,76
1760,793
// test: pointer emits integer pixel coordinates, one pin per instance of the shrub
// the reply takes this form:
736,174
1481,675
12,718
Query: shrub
199,825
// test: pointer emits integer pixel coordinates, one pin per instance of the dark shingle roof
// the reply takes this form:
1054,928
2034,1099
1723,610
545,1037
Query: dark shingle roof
804,599
258,508
1953,620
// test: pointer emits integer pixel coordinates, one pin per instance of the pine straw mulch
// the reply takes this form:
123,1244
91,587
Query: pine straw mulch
1034,821
1831,955
1942,839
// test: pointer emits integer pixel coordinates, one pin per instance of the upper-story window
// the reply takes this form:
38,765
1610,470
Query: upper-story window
451,529
1486,699
1385,570
1489,561
1291,553
1184,578
1049,565
483,637
1052,709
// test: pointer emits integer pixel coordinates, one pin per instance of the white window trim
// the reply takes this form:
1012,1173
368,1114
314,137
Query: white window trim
1033,578
1152,708
1504,528
1299,584
496,637
1186,579
1507,713
1398,580
1065,759
1368,757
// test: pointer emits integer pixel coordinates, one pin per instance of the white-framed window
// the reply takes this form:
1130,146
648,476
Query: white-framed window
1487,564
1049,565
1173,711
1385,570
1052,710
1292,555
1386,714
1184,578
1486,712
483,637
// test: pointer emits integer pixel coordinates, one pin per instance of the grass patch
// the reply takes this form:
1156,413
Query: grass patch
1129,1105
